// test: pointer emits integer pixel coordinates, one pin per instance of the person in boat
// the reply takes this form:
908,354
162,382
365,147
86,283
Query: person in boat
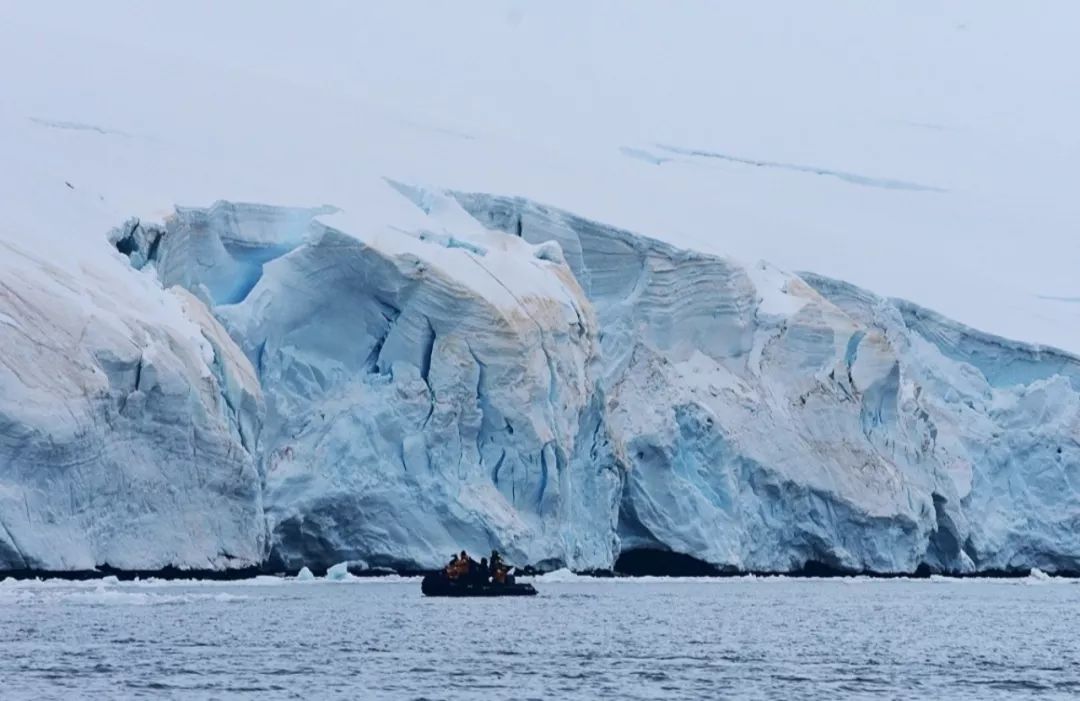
460,566
483,572
466,566
451,570
498,568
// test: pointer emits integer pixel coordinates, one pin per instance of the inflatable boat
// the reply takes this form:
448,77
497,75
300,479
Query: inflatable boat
438,584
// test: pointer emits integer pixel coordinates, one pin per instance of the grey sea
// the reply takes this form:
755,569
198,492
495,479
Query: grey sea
775,638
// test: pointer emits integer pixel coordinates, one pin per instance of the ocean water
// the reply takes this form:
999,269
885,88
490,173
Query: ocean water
579,639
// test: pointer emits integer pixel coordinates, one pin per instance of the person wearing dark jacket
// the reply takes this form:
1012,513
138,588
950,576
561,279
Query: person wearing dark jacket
498,568
483,571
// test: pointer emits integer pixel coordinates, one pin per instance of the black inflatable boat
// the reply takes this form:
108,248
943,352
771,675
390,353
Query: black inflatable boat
438,584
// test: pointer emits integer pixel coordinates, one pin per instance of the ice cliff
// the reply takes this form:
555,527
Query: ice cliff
128,425
510,375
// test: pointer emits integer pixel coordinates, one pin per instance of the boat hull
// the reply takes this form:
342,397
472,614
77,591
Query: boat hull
440,585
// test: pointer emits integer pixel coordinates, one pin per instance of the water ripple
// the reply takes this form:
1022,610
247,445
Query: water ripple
578,640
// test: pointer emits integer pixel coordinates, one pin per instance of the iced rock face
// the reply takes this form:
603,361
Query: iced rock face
423,394
509,375
128,424
1000,421
766,423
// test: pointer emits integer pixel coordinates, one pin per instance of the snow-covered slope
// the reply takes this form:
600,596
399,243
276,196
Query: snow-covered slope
444,368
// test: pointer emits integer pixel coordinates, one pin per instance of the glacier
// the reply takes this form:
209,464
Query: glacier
128,426
545,332
514,376
411,410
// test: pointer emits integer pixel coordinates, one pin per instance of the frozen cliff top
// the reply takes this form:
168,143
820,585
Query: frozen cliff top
901,148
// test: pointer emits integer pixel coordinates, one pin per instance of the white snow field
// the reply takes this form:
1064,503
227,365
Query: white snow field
341,281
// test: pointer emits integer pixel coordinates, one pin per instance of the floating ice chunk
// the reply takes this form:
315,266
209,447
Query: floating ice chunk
339,572
1038,575
561,575
305,575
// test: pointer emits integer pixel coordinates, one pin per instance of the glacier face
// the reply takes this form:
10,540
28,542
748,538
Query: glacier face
422,394
767,420
513,376
128,425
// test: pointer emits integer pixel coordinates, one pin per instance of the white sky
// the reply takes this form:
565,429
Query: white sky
312,103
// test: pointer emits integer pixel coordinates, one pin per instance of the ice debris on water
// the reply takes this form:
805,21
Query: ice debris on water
1038,575
339,572
562,575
